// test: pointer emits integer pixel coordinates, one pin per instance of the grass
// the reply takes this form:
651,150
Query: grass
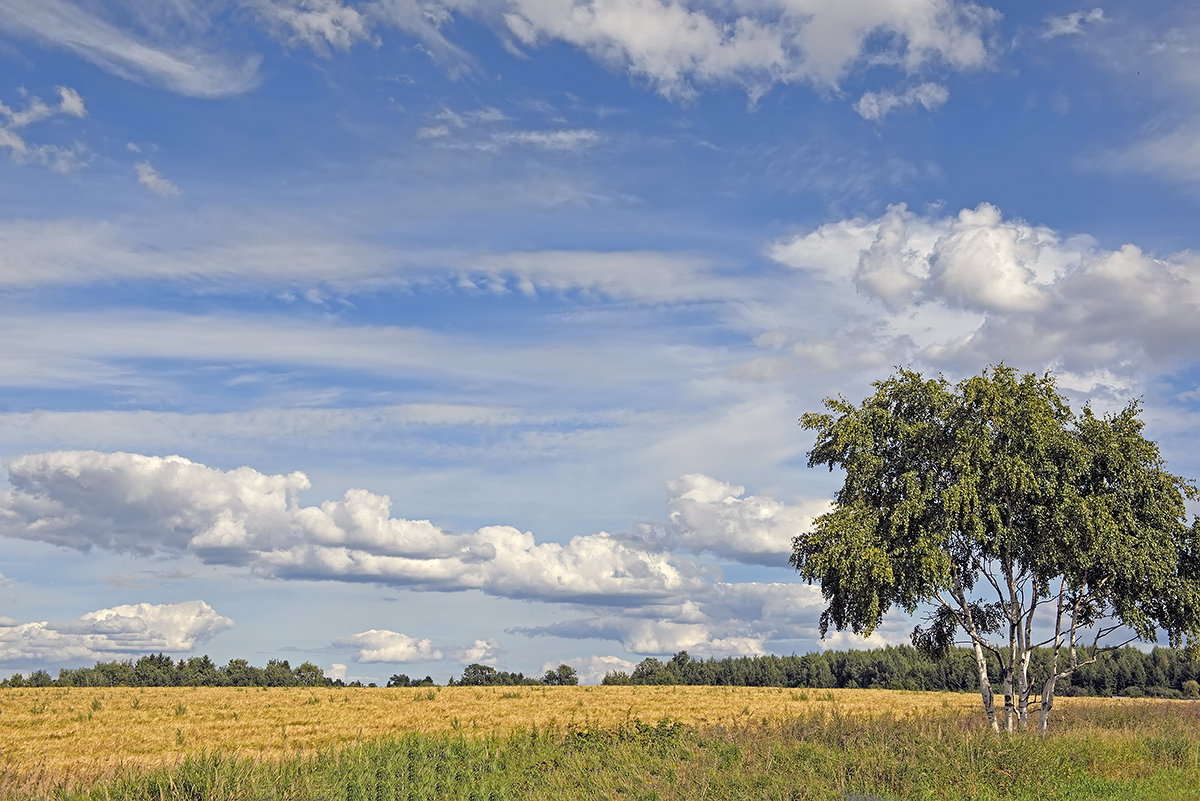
871,743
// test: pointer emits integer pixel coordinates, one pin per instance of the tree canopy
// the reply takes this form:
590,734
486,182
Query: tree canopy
1008,518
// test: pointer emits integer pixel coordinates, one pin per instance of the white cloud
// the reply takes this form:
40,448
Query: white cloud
875,106
706,514
433,132
644,637
296,255
591,669
424,20
70,102
848,640
172,506
58,158
574,139
382,645
1072,24
370,427
647,600
627,275
652,635
152,180
106,633
187,67
320,24
36,109
977,287
482,116
677,47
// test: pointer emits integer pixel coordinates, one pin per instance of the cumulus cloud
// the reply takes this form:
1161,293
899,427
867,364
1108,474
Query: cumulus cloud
591,669
117,631
151,179
978,287
875,106
56,157
678,47
1072,24
709,515
976,260
382,645
639,594
170,505
188,66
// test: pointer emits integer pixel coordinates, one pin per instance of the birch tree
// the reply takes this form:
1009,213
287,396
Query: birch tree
1009,522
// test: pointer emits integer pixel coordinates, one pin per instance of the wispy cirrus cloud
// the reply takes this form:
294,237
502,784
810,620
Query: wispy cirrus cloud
160,55
1073,24
875,106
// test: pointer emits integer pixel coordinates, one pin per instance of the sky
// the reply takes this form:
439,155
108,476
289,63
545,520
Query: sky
397,335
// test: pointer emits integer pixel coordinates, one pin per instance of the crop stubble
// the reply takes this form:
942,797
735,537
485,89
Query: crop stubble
88,733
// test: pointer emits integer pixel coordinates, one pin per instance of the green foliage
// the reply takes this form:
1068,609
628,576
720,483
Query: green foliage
159,670
402,680
1166,671
476,675
564,675
988,500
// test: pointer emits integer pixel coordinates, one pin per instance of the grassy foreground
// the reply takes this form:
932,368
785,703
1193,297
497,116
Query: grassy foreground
822,749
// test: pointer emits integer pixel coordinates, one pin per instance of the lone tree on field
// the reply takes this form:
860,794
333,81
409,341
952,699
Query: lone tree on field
1007,517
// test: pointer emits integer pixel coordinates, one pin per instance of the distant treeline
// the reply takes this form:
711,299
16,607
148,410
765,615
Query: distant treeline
487,676
1163,672
159,670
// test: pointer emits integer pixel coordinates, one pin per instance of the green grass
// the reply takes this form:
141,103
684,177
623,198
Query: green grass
820,756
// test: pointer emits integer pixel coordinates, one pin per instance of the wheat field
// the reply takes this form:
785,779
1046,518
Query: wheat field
93,732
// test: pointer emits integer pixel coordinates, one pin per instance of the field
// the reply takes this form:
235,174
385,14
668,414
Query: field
578,742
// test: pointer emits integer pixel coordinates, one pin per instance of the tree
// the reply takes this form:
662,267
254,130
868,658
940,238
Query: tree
564,675
310,675
1007,517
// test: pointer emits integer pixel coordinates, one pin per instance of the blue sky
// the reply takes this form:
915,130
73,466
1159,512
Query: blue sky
396,335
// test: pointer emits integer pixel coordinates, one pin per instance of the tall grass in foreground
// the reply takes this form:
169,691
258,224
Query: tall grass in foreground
1147,752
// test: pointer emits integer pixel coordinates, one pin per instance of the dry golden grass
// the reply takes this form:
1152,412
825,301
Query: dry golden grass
93,732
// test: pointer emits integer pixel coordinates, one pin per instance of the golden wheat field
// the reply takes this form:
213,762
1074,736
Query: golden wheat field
87,732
